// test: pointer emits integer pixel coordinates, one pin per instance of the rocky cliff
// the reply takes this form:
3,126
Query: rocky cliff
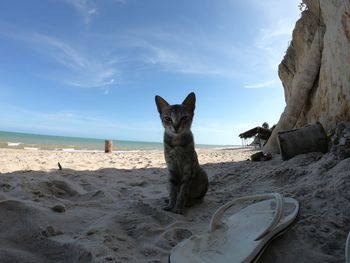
315,71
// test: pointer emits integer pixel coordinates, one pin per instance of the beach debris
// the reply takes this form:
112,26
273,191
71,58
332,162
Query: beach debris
59,166
109,258
260,156
58,208
38,193
340,142
311,138
50,231
91,232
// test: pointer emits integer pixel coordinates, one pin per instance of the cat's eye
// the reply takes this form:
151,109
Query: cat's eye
167,119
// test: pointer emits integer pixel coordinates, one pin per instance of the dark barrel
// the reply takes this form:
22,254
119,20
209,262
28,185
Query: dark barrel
311,138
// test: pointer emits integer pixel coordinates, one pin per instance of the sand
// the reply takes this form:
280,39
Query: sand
107,207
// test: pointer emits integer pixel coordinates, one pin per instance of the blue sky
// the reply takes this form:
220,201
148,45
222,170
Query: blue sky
91,68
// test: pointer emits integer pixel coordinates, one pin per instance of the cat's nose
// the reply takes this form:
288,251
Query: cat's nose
176,127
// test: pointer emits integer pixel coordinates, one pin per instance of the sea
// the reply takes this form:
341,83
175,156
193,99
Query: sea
28,141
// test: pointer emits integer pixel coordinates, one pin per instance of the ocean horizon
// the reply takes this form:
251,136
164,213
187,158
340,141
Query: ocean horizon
31,141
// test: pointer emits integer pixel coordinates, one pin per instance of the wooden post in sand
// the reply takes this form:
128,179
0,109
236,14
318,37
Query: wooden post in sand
108,146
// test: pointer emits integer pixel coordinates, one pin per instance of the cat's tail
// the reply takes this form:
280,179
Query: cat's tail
199,188
205,184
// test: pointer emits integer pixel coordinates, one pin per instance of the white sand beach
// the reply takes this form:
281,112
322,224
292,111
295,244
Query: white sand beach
107,207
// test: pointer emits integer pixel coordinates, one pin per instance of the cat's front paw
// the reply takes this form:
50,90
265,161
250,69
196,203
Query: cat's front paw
168,207
178,211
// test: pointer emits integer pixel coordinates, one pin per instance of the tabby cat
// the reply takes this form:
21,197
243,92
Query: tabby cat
188,182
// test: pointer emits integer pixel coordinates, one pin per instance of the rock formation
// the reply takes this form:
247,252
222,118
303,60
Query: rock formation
315,71
341,141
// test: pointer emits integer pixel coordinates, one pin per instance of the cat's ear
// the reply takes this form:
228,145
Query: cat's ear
190,101
161,103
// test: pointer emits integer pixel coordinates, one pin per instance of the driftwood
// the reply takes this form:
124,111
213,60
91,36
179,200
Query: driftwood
311,138
108,146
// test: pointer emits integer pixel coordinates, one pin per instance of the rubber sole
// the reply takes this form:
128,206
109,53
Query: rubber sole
255,260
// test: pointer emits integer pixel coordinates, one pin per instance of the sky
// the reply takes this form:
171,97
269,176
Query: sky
91,68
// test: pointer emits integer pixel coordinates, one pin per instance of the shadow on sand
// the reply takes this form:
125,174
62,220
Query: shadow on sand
115,215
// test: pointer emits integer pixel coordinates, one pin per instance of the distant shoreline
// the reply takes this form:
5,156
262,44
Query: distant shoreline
28,141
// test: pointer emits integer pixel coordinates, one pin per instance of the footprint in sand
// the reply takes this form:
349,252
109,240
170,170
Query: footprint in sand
5,187
140,183
60,188
22,221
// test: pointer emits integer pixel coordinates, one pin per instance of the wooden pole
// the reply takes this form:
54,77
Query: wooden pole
108,146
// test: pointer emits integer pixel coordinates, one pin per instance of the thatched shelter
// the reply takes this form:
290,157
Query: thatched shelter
258,132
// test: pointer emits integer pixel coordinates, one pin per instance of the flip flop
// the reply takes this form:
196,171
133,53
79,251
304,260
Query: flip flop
243,236
347,249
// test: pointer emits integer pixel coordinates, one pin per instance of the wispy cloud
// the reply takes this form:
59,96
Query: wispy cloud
270,35
271,41
86,71
260,85
178,53
281,19
60,51
78,68
86,8
180,62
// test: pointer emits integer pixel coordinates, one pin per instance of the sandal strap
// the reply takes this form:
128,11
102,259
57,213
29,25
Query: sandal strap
216,220
347,249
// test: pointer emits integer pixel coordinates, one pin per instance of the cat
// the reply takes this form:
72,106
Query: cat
188,182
